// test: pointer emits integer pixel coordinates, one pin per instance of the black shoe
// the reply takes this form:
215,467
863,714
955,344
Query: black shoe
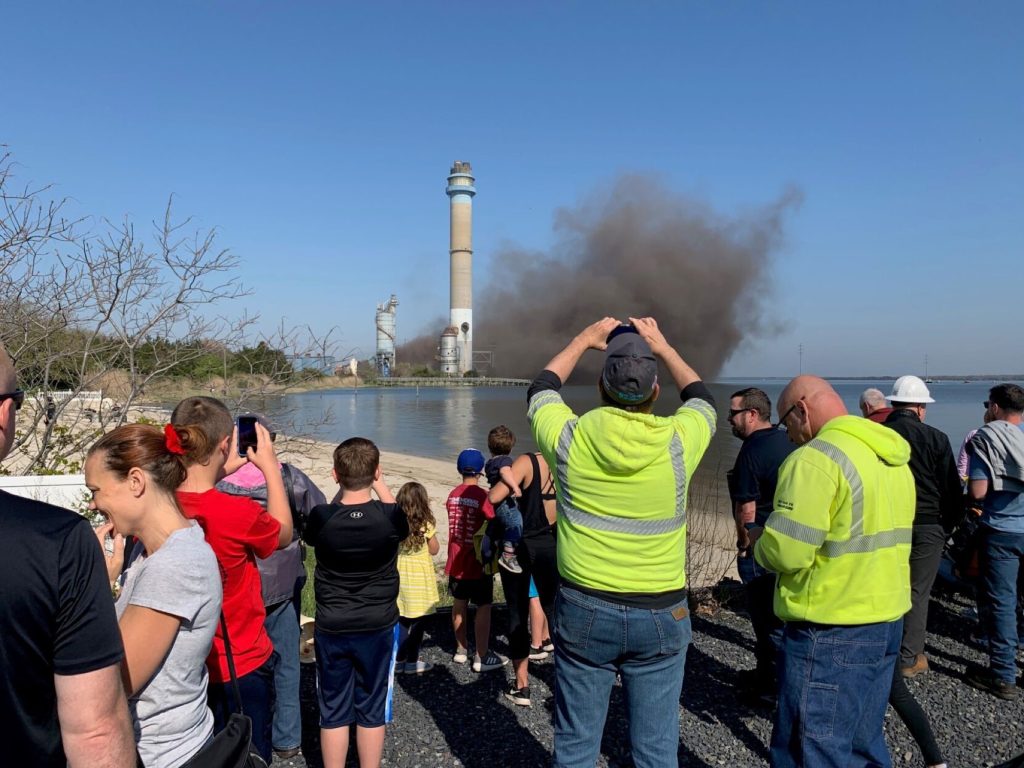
547,645
984,680
518,696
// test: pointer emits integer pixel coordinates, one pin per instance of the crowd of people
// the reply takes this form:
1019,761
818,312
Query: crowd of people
138,642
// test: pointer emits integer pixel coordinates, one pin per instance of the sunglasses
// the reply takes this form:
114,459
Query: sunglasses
987,403
734,412
782,421
18,396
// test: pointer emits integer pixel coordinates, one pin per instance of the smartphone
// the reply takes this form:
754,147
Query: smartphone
246,434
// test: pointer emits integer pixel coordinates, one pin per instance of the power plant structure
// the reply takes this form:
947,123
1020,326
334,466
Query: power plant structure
385,356
456,343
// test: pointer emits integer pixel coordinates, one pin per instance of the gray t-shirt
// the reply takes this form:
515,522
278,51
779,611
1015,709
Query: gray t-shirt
181,578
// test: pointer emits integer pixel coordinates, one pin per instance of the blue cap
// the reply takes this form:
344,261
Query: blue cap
471,462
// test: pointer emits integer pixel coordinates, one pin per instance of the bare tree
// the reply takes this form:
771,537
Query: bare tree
109,311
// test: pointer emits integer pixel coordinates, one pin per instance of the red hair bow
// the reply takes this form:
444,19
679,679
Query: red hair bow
172,441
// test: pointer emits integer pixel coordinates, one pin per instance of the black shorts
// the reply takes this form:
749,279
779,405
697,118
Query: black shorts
477,591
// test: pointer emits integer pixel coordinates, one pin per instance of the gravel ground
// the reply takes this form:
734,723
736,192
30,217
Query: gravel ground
453,717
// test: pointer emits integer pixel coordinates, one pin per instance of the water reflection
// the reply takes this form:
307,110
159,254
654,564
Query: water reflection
439,422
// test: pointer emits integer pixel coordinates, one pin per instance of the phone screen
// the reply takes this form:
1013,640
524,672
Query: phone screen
246,434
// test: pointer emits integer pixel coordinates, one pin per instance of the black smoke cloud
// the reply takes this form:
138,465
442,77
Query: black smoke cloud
634,249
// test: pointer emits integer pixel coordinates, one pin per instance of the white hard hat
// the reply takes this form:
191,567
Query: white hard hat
910,389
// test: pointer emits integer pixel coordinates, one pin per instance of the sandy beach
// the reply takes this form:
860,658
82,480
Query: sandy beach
314,457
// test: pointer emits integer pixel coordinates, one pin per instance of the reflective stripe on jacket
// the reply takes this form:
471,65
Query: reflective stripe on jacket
839,536
621,480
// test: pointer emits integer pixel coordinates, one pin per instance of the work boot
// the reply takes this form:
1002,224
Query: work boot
920,665
984,680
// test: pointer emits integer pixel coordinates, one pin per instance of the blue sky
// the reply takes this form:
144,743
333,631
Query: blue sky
317,138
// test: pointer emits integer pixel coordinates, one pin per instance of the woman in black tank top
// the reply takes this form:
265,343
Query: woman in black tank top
536,555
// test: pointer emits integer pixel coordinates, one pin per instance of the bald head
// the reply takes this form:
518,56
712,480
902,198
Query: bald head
807,404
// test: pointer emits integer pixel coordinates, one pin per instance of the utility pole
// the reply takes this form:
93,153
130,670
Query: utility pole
800,349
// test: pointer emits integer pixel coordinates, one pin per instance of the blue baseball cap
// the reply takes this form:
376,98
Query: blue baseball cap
471,462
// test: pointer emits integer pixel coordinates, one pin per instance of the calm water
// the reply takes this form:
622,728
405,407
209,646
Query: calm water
438,423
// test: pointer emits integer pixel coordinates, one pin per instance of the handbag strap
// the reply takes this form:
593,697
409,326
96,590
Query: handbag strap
231,663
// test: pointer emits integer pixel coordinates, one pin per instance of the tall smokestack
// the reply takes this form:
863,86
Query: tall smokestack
460,192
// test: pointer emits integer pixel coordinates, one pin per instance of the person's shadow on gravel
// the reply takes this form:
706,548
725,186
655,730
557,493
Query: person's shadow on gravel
478,728
709,689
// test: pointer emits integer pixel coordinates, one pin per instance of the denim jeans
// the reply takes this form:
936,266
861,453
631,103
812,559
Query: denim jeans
511,520
1000,563
282,624
257,691
767,628
594,640
834,684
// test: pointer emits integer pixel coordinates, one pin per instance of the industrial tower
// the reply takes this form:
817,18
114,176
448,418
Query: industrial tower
385,356
458,357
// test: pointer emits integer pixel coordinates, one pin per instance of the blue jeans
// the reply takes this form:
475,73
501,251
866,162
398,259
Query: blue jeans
257,692
282,624
511,520
1000,562
594,640
834,684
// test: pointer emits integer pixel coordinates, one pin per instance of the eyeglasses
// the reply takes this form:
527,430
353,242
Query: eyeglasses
782,421
734,412
18,396
988,404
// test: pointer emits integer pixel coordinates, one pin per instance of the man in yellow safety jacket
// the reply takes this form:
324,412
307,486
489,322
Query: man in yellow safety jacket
621,478
839,539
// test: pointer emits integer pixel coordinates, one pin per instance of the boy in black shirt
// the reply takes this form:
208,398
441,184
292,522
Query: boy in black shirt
356,583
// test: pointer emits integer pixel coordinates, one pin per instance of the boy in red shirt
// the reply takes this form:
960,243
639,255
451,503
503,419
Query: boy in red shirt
468,507
239,530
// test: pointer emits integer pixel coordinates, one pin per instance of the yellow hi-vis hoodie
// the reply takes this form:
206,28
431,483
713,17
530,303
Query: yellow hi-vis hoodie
839,536
621,480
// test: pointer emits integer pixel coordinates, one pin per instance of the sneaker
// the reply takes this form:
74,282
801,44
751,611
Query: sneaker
509,562
984,680
518,696
287,754
399,667
491,662
547,645
538,653
461,655
919,666
417,667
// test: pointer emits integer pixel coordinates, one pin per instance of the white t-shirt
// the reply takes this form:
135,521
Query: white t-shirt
181,578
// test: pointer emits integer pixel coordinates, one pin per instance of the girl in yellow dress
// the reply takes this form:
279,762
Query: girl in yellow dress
417,593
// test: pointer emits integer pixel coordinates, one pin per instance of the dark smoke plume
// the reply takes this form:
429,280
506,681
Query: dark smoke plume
637,250
421,350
